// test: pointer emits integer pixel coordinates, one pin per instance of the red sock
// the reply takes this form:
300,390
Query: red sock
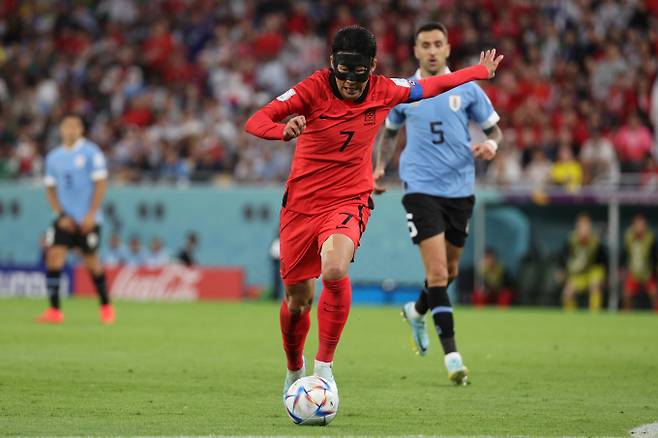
333,310
294,328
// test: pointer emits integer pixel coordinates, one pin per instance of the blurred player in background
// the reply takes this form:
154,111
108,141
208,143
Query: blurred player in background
438,173
76,181
639,262
337,113
583,263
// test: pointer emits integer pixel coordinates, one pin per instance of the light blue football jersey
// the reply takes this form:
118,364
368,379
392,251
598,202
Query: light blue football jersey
73,172
437,159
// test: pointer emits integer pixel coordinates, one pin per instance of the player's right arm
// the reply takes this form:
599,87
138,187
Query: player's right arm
266,122
63,221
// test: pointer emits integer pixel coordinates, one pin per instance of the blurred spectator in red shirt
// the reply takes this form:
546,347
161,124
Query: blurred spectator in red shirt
633,142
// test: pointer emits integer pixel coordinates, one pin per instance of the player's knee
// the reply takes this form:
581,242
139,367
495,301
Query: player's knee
55,259
298,303
334,271
437,277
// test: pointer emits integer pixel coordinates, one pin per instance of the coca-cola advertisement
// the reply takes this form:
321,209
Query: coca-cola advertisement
168,283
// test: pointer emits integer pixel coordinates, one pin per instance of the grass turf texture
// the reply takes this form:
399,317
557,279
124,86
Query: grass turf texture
214,368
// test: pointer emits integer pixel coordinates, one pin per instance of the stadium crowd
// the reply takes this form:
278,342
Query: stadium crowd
165,85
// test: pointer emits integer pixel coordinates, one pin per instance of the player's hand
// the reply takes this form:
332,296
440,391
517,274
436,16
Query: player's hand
88,223
484,151
66,223
294,128
490,61
377,175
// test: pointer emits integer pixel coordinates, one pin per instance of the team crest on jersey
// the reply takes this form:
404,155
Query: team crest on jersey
455,102
79,161
369,117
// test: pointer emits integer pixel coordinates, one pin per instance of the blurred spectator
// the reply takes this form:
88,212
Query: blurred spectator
633,142
566,171
638,263
160,78
116,254
538,171
497,282
136,256
187,255
158,255
505,170
583,266
599,160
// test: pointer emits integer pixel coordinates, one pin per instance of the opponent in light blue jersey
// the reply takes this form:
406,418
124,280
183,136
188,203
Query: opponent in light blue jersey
76,180
438,172
73,172
438,159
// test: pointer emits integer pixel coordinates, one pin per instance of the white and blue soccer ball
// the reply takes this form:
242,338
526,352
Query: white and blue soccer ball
311,401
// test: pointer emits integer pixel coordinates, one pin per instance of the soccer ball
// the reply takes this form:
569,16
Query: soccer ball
311,401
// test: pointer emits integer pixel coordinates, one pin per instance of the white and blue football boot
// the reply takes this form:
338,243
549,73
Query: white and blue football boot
457,372
421,341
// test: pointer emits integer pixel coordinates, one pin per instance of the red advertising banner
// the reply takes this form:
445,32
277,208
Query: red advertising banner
167,283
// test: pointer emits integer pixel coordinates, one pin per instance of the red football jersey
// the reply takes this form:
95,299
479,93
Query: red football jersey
332,163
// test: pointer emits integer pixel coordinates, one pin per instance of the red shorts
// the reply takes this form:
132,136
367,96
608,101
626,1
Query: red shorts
632,286
302,236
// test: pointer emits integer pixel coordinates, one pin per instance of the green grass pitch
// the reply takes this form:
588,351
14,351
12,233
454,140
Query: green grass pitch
217,369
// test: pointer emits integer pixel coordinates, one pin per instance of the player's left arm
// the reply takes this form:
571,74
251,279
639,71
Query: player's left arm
483,113
98,174
488,148
405,91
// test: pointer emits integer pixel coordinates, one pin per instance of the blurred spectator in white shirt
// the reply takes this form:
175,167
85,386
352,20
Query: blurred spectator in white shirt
158,255
599,160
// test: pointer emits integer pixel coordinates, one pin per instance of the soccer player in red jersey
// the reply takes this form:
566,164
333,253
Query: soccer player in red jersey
337,114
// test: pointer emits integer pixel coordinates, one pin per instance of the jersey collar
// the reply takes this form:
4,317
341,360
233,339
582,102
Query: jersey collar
334,89
417,74
77,145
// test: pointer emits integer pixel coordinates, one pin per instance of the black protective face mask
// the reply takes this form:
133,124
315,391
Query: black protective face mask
352,61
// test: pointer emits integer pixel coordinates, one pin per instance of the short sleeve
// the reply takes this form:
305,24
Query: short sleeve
396,118
49,178
481,110
296,101
397,90
98,164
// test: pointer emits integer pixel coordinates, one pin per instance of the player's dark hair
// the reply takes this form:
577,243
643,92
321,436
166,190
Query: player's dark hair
356,39
430,26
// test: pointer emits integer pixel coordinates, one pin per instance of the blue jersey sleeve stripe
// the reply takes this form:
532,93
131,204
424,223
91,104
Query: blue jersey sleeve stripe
416,92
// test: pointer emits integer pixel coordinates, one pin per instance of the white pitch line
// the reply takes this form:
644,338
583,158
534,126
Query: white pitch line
645,431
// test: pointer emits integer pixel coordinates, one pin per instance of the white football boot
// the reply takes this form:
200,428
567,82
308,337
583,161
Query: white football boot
325,370
293,376
457,372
